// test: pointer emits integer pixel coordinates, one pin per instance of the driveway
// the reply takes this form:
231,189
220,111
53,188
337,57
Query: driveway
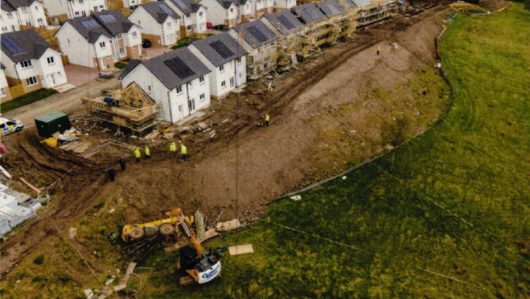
78,75
66,102
154,51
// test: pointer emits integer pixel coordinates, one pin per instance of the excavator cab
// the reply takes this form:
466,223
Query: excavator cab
202,268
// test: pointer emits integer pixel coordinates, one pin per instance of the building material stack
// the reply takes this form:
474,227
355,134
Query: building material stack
129,108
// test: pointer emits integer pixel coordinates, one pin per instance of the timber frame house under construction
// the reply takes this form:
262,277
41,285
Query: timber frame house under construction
129,108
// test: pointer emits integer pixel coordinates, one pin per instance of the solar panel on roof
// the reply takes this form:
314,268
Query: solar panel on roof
179,67
108,18
254,31
221,49
286,23
89,24
12,46
166,9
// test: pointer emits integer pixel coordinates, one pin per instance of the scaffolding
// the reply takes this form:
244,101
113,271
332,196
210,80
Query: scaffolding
129,108
376,11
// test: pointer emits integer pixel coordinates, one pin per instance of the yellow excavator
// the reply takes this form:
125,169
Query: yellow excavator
200,265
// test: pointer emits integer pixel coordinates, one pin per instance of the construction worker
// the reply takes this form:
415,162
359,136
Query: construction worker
137,154
173,148
112,173
183,152
121,160
147,152
267,119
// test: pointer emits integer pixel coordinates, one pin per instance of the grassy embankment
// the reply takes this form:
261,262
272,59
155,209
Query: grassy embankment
453,202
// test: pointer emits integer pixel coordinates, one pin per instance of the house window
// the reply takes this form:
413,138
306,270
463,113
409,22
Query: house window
179,89
168,24
134,34
202,97
25,63
180,108
68,41
200,14
188,27
50,60
238,60
122,51
221,68
223,84
102,44
76,13
149,88
31,81
9,15
201,79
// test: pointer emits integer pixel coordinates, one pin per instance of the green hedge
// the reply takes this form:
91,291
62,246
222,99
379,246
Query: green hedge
27,99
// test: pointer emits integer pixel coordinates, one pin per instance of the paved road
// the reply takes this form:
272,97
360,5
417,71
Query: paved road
65,102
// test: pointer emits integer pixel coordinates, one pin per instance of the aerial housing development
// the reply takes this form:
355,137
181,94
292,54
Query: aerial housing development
264,148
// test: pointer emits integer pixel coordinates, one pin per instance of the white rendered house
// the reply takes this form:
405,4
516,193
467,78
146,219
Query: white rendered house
69,9
30,61
226,60
192,16
16,13
178,81
100,40
221,12
158,23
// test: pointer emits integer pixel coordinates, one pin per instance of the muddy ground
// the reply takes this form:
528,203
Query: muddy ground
332,112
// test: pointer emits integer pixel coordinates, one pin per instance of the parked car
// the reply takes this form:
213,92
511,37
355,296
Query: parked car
8,126
146,43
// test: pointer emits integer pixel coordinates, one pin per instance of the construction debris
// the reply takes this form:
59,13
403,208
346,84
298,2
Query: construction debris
296,197
30,186
241,249
15,208
5,173
125,279
228,225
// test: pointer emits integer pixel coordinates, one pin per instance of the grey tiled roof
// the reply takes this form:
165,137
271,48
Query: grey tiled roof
225,3
361,3
285,22
159,11
168,77
109,29
186,6
308,13
32,46
14,4
331,8
255,33
349,4
208,50
120,24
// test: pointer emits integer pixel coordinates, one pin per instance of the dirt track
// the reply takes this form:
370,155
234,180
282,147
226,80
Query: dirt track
313,116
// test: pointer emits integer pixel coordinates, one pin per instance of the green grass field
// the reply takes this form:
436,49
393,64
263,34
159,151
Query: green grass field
444,216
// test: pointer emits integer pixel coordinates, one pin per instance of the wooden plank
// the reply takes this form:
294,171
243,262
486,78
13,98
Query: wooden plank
241,249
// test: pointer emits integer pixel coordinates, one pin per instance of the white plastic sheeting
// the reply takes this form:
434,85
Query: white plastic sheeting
15,208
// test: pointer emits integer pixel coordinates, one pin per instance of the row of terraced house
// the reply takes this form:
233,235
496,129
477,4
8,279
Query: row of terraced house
94,37
185,80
